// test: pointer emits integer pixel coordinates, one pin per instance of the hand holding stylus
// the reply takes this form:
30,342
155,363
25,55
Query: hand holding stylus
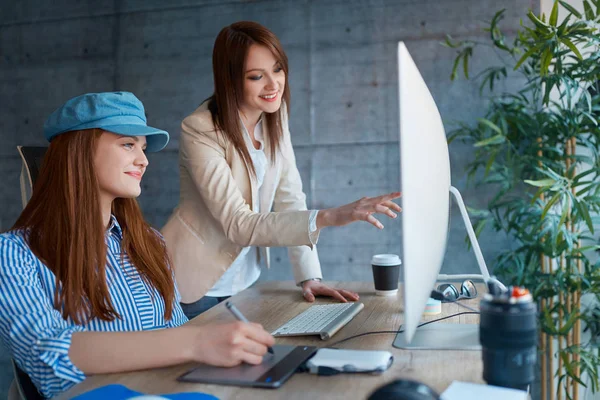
236,313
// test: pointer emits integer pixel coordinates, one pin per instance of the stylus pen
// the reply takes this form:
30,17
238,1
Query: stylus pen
236,313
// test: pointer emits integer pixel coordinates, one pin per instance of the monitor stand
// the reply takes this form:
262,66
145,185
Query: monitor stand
448,336
442,336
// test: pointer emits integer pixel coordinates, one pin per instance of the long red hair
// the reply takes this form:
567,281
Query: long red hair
229,65
64,221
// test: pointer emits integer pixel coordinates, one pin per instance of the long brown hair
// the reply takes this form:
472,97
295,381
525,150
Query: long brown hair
65,230
229,64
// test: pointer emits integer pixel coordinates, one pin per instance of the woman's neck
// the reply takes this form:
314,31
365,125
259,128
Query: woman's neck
250,119
250,124
106,209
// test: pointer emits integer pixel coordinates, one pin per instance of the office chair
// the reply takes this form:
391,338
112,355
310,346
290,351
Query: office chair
32,161
25,387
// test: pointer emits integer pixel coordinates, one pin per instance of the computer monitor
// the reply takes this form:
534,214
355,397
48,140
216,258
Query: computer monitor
425,185
426,188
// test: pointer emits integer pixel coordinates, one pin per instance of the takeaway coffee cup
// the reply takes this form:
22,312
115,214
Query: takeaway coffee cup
386,269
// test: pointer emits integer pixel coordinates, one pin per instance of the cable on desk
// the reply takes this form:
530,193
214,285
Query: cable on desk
401,330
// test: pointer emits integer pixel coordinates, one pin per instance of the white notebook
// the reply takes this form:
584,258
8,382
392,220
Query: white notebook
474,391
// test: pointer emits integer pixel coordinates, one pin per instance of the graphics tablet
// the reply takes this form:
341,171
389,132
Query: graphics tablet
272,373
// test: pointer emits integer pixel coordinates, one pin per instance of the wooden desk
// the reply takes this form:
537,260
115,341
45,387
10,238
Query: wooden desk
272,304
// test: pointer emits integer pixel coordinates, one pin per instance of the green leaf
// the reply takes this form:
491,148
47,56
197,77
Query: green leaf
570,8
588,219
526,56
541,183
537,22
448,42
588,248
490,124
550,203
490,162
466,64
497,17
565,212
554,15
497,139
589,13
550,327
454,68
588,362
571,46
563,26
456,135
569,324
593,199
565,359
546,60
578,380
547,89
585,214
585,173
479,227
584,190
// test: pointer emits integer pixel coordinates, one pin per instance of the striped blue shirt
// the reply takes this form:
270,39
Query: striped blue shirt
37,335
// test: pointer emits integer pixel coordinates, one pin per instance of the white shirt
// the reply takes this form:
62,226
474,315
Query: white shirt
245,269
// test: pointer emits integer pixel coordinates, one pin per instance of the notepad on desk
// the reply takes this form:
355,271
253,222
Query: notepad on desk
474,391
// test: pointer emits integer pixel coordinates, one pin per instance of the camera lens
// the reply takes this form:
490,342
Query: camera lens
508,336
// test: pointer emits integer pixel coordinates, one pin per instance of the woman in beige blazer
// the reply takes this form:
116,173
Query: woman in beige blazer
241,192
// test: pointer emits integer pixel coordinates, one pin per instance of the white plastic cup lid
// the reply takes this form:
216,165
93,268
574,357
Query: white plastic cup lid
386,259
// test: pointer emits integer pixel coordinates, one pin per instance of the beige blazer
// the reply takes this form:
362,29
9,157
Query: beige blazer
214,219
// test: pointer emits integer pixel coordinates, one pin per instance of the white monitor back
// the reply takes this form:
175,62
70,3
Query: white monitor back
425,183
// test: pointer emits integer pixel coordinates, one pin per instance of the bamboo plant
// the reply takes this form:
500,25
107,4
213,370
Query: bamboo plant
537,150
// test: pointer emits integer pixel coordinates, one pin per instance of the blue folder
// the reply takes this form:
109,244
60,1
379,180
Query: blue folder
120,392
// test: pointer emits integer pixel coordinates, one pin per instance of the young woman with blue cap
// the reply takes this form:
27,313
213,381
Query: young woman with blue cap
241,192
86,282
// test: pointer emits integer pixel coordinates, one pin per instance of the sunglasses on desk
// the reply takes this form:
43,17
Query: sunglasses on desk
467,291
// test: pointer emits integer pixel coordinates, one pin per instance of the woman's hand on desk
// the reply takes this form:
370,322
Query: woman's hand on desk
230,344
311,288
360,210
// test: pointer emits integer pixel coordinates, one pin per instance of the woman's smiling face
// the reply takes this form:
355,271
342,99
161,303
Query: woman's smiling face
120,163
264,83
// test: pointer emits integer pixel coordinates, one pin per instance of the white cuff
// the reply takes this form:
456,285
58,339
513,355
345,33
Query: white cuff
306,280
313,232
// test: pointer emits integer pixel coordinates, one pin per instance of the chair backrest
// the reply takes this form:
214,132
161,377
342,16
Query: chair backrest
25,387
32,161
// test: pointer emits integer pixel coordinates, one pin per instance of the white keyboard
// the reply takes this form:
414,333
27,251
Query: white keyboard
321,319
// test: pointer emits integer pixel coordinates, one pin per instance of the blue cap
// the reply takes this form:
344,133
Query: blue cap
116,112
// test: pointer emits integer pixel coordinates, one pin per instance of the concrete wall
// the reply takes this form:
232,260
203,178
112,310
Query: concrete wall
344,118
